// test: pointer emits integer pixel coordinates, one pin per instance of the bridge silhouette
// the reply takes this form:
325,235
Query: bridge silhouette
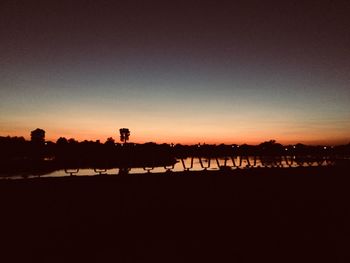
228,163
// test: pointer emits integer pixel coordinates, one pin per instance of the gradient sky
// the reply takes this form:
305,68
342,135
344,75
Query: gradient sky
197,71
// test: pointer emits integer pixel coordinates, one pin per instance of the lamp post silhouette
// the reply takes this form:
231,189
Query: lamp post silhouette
124,134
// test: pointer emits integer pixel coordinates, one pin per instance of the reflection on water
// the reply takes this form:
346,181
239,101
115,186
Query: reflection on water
193,164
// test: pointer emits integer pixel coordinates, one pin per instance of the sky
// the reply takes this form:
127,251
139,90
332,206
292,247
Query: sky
177,72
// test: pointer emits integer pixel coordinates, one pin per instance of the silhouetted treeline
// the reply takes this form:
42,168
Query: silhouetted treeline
266,148
71,149
19,155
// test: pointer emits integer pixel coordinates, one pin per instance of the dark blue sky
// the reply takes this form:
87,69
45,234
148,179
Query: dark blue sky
188,72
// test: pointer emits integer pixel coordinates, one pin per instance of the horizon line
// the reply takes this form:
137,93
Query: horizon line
326,142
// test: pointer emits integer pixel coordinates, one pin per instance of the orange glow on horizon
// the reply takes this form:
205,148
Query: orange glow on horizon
175,127
155,137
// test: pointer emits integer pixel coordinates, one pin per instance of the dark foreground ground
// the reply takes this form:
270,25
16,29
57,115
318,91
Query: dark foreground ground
261,215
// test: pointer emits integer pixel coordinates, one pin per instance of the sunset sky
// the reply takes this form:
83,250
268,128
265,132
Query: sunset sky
188,72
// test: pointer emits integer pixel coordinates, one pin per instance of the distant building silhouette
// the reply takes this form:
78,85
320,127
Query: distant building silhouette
37,136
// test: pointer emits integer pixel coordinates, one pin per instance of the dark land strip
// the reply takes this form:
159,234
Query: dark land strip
263,214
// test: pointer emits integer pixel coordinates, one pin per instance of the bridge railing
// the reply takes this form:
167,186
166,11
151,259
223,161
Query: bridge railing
199,163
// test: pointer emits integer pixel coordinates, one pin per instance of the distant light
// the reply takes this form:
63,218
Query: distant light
294,147
286,149
325,148
237,146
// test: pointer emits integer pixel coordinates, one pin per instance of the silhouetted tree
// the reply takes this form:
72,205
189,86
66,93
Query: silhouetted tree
110,141
271,147
124,134
72,141
37,136
62,141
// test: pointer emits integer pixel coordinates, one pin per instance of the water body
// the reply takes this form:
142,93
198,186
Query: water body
191,164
